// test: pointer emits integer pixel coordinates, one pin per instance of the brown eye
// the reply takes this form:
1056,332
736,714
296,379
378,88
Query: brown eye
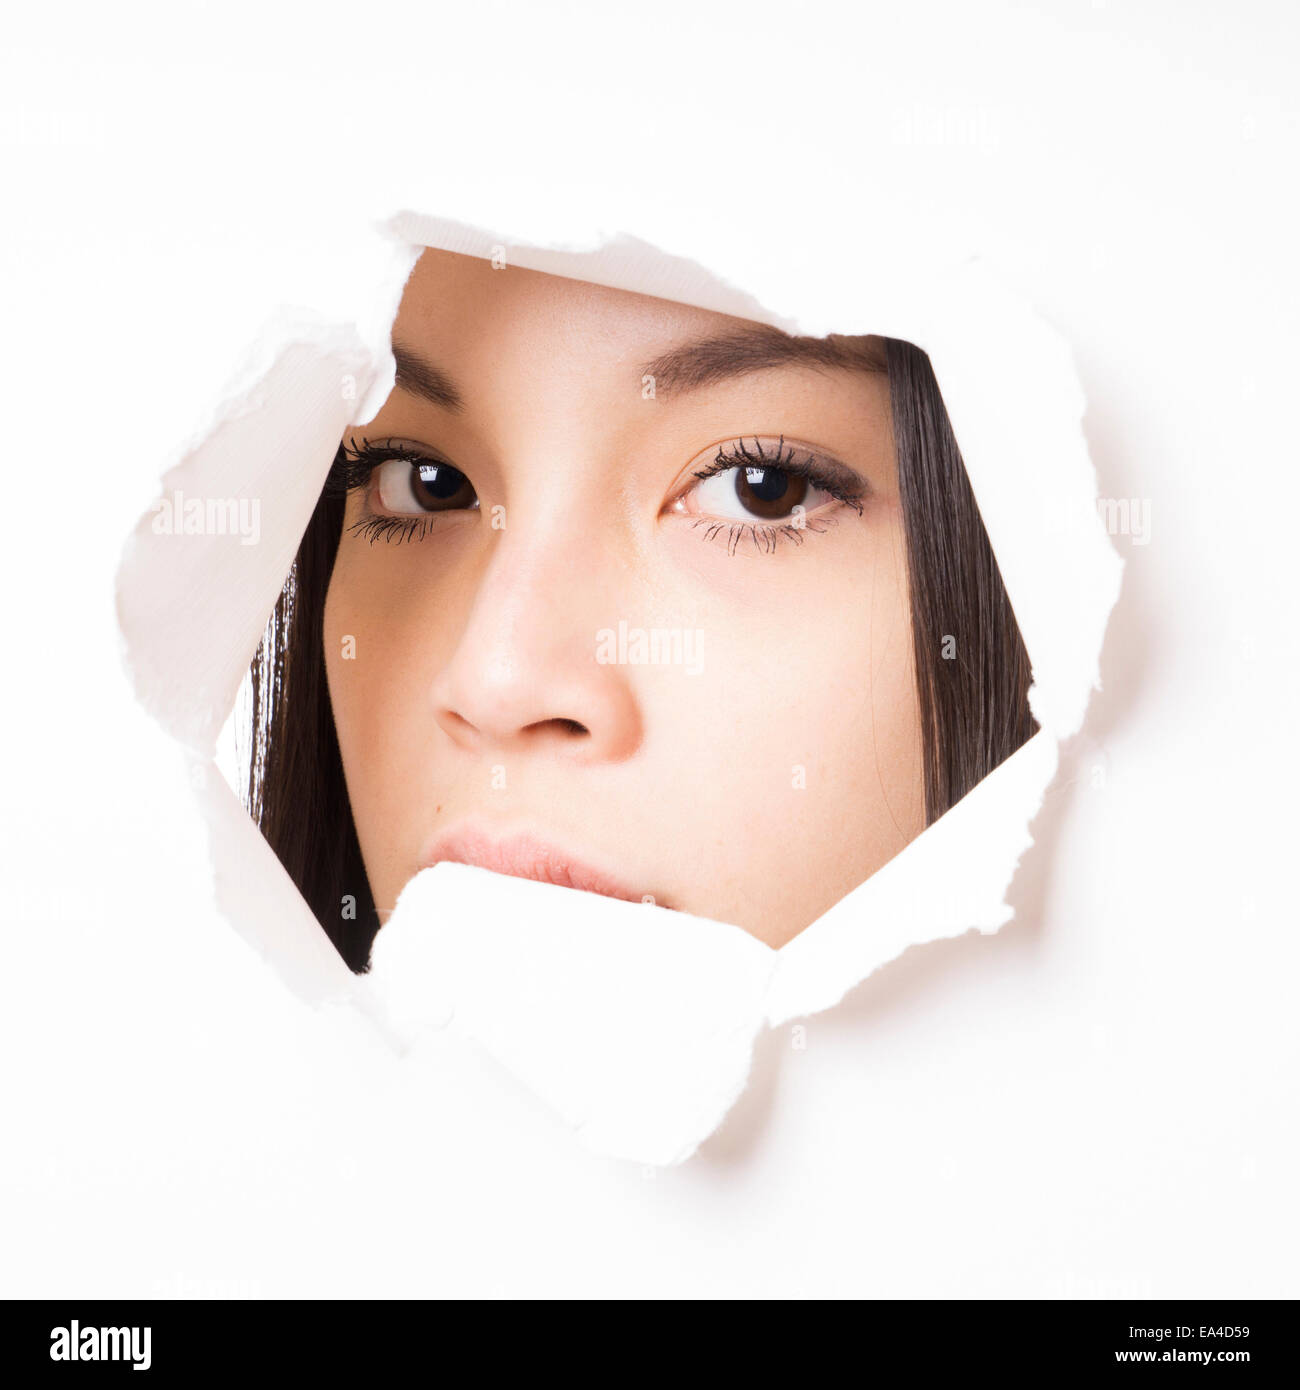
765,489
407,487
439,486
755,492
769,493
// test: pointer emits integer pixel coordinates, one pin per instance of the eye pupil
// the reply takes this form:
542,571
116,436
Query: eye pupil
766,484
436,485
439,480
769,492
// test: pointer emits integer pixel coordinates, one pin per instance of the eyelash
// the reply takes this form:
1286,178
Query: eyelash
352,469
766,536
354,465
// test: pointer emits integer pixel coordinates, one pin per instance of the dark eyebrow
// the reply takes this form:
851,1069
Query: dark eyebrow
707,361
420,377
703,362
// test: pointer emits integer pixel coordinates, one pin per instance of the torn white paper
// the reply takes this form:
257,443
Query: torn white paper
635,1023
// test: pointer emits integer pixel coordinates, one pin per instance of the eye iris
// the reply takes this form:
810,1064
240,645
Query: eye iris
439,486
769,492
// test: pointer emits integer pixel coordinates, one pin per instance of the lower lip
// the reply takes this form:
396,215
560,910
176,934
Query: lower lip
523,857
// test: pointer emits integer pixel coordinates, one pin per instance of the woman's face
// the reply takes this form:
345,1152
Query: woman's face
556,650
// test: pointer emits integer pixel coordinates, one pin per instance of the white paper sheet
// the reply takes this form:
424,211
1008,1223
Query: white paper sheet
635,1023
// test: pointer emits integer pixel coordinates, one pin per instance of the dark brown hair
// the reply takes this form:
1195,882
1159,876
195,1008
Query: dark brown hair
972,669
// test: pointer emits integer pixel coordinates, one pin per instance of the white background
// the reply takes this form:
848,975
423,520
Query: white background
1099,1100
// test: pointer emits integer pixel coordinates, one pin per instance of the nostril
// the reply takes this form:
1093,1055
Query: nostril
567,726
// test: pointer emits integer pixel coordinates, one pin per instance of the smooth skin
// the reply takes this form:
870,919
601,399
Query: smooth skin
757,784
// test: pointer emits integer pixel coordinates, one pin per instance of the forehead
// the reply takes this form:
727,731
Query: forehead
462,303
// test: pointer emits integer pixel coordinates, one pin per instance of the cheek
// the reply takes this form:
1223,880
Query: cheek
347,643
805,733
815,654
862,681
379,649
376,703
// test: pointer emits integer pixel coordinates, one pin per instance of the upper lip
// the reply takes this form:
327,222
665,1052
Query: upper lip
524,855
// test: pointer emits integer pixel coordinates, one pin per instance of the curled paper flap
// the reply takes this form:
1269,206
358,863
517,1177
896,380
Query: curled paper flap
205,565
636,1024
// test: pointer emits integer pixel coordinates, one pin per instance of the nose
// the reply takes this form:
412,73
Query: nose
524,674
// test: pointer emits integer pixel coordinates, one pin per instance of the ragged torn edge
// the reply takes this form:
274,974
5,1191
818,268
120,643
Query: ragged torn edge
637,1024
645,1092
191,616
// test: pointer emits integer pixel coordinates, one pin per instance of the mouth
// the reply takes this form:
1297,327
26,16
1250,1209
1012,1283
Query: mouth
527,856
